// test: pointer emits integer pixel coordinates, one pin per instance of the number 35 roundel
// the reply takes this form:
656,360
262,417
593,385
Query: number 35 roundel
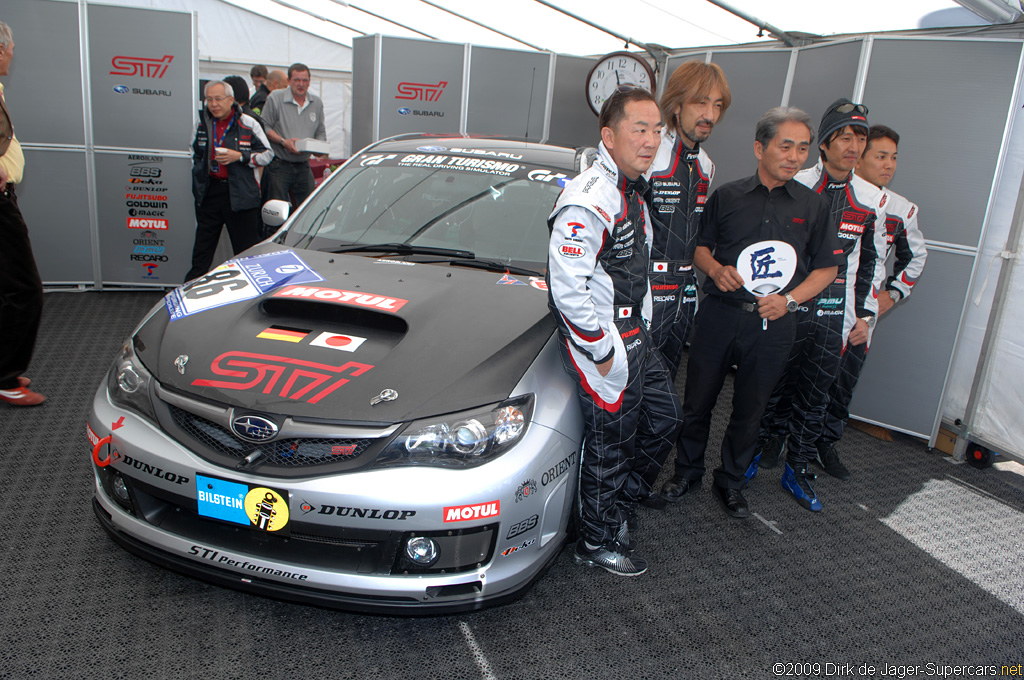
766,267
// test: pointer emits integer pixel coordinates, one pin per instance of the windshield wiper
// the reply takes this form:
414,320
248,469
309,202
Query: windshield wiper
496,266
404,249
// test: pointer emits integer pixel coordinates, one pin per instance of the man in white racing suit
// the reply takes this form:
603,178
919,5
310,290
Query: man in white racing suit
877,165
600,296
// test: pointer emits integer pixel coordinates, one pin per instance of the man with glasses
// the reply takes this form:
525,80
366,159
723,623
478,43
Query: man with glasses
844,309
598,259
291,114
748,226
877,165
228,146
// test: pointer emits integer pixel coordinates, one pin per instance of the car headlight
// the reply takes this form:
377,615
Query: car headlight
460,440
129,383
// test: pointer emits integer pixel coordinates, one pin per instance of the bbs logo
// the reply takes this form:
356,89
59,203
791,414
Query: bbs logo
522,527
145,172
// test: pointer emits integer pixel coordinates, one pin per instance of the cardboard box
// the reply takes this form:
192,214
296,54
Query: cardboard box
945,441
313,146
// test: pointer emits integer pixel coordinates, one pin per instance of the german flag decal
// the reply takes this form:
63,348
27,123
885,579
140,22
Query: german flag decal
283,333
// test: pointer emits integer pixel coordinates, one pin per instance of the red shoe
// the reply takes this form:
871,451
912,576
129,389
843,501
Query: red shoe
21,396
23,381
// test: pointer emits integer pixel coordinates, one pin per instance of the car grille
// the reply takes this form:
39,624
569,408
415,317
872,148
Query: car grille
283,453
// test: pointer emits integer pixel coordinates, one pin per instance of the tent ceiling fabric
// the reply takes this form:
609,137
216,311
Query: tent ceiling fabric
673,23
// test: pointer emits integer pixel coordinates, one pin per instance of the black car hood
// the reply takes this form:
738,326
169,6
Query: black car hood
445,338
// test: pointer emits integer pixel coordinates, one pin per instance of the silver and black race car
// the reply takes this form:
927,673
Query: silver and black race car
366,411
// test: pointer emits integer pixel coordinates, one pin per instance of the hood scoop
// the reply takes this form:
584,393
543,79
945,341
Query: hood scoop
313,313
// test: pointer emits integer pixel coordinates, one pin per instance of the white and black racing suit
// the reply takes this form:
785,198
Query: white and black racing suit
904,238
680,178
599,294
797,406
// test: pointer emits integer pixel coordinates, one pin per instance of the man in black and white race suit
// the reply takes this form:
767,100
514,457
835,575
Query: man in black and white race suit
696,96
877,165
796,410
600,297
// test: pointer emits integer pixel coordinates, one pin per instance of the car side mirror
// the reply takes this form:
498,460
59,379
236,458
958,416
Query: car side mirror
275,213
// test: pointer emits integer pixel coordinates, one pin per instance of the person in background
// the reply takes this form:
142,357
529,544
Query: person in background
258,74
877,165
227,148
21,288
290,115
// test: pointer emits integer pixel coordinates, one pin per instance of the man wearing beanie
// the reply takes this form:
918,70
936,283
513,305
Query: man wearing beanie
877,165
844,309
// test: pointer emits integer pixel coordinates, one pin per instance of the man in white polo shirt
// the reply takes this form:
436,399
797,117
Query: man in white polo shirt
291,114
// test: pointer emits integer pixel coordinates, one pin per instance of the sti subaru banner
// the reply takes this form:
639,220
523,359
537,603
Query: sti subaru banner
420,87
140,68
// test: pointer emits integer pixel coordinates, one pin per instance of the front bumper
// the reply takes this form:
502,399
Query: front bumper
349,561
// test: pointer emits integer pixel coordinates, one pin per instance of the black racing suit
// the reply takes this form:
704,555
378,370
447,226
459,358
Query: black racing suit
797,406
600,297
679,178
902,236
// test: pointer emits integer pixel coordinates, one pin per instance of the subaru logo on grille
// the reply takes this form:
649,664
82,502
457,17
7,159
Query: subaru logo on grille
254,428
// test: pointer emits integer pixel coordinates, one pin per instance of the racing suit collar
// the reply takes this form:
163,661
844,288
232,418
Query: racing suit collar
610,170
687,153
830,181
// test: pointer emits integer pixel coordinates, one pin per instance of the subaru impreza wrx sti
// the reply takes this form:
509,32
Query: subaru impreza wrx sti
366,411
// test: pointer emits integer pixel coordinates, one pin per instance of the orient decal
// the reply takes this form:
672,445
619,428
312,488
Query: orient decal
287,377
140,66
343,297
558,470
426,92
463,513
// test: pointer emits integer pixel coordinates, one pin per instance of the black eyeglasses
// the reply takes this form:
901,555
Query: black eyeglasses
850,108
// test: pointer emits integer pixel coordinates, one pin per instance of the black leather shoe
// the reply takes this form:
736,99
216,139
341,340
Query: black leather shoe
733,502
675,489
654,501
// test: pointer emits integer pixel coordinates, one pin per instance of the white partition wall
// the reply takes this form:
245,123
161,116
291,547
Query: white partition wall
103,100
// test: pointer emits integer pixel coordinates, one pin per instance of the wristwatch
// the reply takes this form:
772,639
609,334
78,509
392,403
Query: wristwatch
869,320
791,304
895,295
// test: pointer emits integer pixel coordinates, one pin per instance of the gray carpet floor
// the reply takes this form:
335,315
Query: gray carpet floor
914,561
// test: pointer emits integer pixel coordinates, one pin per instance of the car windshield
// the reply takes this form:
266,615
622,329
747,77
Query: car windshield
494,210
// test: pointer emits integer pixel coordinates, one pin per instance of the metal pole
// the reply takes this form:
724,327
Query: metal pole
628,41
351,5
473,21
773,31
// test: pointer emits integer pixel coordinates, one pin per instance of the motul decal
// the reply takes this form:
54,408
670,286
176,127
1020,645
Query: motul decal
463,513
344,297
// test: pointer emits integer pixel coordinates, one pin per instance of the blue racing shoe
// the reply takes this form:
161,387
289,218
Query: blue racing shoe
752,470
795,482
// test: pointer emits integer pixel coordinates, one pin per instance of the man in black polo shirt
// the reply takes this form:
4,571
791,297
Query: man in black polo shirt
734,327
